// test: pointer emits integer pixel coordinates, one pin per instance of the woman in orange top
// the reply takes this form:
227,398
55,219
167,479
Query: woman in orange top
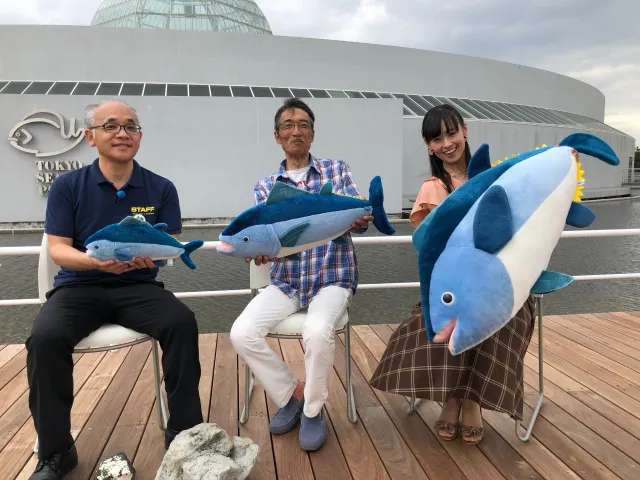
488,376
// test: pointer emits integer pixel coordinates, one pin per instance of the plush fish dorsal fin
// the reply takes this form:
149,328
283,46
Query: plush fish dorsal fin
327,189
493,223
134,221
160,226
480,161
282,191
591,145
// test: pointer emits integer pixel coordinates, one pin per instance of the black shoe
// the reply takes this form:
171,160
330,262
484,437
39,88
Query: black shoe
56,466
169,435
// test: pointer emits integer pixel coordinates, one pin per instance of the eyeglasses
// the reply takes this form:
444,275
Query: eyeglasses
130,128
290,125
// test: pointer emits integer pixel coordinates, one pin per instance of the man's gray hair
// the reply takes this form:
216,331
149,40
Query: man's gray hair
89,111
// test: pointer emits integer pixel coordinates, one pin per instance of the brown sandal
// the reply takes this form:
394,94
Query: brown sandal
471,435
450,430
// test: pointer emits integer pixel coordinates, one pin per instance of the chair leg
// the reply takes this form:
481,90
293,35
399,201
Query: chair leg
352,414
248,390
162,410
527,435
414,404
36,445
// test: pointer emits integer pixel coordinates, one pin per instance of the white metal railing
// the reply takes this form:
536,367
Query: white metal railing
631,175
377,240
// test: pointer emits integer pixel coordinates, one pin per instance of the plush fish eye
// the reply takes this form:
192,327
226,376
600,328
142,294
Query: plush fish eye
97,247
448,298
245,239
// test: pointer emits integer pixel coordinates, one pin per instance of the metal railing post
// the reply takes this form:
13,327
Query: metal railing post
534,416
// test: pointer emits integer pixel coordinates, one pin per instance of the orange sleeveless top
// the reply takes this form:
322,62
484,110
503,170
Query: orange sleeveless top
431,194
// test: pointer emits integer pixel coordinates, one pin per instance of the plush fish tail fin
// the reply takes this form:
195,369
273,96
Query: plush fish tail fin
591,145
376,196
189,248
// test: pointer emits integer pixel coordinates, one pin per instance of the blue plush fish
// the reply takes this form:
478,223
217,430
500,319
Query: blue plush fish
292,220
486,247
135,237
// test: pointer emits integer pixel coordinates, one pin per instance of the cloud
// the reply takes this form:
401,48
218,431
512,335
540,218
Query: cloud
591,40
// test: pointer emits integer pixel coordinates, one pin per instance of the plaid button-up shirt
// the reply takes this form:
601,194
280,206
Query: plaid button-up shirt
328,264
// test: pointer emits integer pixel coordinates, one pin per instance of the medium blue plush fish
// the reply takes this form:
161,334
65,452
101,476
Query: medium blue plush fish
486,247
293,220
135,237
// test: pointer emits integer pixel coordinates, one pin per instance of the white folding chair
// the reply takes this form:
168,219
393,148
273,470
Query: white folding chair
109,337
291,328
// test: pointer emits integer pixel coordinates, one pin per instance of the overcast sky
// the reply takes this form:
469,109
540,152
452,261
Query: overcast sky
597,41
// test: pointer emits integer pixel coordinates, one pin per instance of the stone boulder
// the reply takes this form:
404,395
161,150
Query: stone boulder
117,467
207,452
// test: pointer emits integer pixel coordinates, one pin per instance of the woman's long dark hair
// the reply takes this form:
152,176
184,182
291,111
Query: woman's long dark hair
432,128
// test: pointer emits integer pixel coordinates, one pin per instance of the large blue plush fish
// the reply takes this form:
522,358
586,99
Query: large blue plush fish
135,237
486,247
293,220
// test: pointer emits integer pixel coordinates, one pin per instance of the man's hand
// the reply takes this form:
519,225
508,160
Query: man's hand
260,260
118,268
361,222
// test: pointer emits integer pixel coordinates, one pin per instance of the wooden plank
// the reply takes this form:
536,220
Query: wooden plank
98,428
257,427
544,461
151,450
429,453
559,349
613,327
498,452
627,320
14,366
224,399
622,345
329,461
207,347
13,391
615,361
597,326
20,449
361,456
15,418
579,447
9,352
492,458
2,347
600,416
290,460
127,434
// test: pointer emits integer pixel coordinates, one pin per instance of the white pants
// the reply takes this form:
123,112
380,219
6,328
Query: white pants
266,311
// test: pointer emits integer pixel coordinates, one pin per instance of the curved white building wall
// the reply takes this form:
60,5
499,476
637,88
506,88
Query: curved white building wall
210,140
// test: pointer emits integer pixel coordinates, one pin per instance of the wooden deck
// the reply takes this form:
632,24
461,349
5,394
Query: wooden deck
589,426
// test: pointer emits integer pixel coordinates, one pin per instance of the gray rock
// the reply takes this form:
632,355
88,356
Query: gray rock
117,467
207,452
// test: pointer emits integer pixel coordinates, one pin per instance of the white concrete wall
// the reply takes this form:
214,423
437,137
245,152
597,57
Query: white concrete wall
213,149
150,55
508,139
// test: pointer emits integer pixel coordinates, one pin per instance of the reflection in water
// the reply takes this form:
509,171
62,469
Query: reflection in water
378,263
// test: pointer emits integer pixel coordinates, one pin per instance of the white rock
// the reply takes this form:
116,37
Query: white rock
207,452
117,467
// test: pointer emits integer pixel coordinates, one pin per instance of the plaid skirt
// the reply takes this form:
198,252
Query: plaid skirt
489,374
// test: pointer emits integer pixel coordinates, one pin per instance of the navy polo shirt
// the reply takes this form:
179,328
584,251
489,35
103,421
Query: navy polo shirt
82,202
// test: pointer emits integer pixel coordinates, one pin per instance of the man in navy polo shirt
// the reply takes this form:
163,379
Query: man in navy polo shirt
88,293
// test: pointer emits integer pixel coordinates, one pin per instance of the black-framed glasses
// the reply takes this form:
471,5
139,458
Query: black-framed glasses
130,128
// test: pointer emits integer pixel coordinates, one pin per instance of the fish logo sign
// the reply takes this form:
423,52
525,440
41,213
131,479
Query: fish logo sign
20,136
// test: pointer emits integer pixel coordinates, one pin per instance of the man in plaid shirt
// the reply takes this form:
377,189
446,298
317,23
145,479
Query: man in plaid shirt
323,281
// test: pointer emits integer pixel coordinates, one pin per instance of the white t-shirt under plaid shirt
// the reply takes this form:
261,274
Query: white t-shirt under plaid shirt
328,264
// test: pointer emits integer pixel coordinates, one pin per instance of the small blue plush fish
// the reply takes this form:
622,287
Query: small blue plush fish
135,237
294,220
487,246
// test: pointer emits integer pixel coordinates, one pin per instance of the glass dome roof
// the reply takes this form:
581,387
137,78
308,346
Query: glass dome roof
238,16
